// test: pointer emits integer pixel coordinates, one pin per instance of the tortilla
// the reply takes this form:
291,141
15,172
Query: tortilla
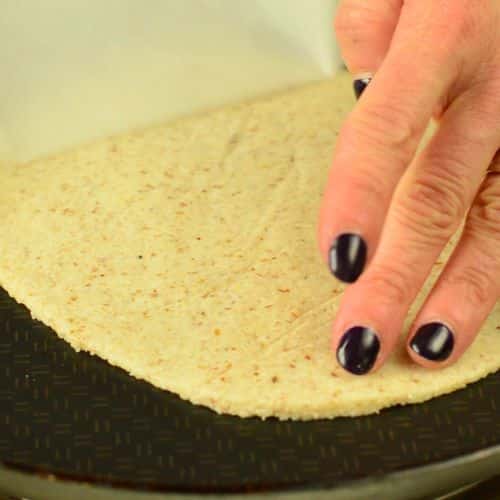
186,255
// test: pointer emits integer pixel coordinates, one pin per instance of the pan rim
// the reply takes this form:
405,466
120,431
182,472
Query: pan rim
485,455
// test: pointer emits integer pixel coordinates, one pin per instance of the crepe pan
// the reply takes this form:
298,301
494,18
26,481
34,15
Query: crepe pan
71,426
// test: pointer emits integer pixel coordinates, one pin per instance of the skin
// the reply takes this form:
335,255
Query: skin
430,58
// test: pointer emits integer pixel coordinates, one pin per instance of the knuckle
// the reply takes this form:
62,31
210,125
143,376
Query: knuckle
369,187
484,215
434,206
461,21
474,284
389,283
448,18
384,128
449,24
453,21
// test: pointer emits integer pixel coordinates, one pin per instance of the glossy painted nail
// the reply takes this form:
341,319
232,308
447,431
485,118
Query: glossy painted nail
360,85
347,257
433,341
358,350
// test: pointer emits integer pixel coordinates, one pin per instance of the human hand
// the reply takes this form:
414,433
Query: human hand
387,212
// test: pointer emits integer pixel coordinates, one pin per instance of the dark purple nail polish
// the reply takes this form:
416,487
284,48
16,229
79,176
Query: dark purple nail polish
347,257
360,86
358,349
433,341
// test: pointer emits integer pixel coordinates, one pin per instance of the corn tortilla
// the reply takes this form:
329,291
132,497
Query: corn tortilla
186,255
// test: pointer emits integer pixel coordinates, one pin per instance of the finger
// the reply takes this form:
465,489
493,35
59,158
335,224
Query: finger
380,138
364,32
468,288
428,207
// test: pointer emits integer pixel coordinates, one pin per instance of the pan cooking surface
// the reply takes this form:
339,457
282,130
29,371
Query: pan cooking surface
73,414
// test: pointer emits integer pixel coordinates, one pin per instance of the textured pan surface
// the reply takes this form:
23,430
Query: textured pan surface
74,414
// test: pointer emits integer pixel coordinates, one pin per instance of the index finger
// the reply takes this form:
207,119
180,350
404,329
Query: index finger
380,137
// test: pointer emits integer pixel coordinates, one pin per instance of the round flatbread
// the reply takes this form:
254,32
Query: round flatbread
186,254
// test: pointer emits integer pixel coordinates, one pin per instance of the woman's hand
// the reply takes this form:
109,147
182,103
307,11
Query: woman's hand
387,213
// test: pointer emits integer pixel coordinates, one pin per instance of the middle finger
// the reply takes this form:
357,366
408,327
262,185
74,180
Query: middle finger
380,137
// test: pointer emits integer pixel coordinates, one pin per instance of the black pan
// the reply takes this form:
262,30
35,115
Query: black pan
71,426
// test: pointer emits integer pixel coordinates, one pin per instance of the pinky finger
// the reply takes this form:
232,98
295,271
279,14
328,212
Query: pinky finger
468,288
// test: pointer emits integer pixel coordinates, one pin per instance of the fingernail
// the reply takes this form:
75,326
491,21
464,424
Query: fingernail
360,85
358,349
347,257
433,341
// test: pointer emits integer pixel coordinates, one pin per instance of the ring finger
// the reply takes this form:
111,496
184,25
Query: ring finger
468,288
